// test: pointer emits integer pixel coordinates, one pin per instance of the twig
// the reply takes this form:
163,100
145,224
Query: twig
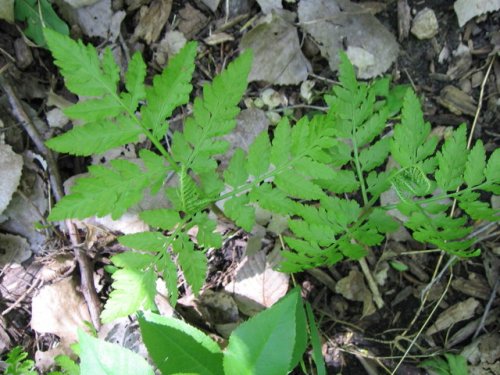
377,298
22,297
425,323
86,270
487,309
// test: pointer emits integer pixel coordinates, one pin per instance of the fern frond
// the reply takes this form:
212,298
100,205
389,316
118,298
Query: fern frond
451,161
95,138
192,263
410,144
170,90
132,290
214,114
410,182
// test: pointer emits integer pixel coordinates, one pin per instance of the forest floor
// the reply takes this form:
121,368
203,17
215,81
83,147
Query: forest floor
427,310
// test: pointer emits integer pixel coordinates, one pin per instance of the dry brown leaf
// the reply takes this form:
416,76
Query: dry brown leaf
256,284
275,44
191,21
461,311
336,24
11,165
59,309
353,288
13,249
151,20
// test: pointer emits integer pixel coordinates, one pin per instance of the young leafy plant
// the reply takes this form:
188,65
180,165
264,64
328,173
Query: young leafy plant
17,363
449,365
325,173
272,342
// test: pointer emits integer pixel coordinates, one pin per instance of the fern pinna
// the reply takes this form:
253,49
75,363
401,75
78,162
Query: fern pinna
325,172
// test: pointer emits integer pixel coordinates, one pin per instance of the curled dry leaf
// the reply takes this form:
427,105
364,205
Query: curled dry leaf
275,44
353,288
256,285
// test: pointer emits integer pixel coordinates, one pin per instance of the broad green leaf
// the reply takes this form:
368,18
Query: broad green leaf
177,347
145,241
39,15
98,357
162,218
317,353
95,138
259,155
132,290
265,344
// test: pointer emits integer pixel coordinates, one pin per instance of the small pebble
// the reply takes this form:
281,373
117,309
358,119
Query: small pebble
425,24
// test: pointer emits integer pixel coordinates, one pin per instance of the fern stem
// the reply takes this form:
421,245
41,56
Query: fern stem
359,172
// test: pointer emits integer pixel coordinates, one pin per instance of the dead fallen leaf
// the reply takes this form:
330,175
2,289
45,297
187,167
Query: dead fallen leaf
269,5
191,21
171,43
335,23
212,4
275,44
461,311
353,288
96,19
256,284
7,10
11,166
468,9
13,249
151,20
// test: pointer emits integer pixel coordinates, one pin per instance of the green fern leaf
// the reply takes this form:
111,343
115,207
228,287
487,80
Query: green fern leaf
162,218
236,172
170,90
132,290
477,210
372,128
281,143
298,186
411,181
206,236
83,72
343,181
214,115
193,263
271,199
95,138
132,260
237,209
475,166
493,172
410,144
373,156
170,277
259,154
95,109
134,82
145,241
452,160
